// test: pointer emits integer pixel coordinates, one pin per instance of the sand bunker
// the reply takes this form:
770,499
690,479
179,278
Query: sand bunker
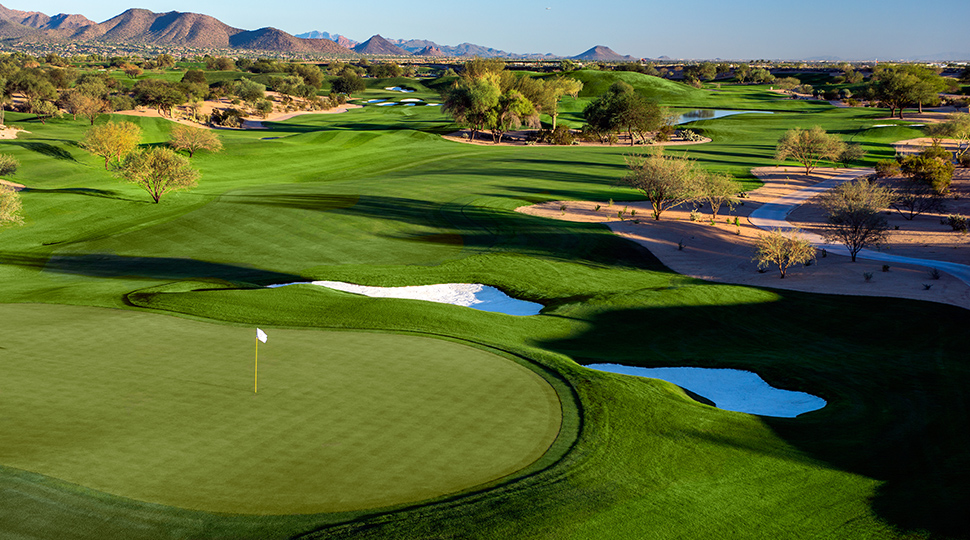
729,389
398,89
473,295
406,100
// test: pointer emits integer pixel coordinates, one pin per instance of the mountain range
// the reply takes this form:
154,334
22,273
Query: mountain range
195,30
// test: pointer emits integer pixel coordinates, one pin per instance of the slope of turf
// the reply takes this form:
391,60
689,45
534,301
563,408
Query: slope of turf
163,410
373,196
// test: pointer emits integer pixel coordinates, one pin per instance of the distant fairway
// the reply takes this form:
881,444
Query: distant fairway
162,409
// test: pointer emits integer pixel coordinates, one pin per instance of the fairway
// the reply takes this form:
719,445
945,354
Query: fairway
162,410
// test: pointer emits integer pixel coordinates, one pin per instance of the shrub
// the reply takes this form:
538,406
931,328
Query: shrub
957,222
690,135
227,118
934,171
561,136
888,167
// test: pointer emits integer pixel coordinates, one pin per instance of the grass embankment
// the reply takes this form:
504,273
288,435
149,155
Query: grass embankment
370,196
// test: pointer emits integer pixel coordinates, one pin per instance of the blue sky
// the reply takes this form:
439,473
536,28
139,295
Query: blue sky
850,29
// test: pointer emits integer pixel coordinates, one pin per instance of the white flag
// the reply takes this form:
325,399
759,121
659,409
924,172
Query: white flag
260,335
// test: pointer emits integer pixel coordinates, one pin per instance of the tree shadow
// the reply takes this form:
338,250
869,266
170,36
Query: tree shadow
103,265
43,148
87,192
896,385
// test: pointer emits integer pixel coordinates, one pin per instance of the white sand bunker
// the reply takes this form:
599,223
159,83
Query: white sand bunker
398,89
386,104
376,100
473,295
729,389
405,100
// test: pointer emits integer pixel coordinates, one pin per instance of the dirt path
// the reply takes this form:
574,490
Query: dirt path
723,252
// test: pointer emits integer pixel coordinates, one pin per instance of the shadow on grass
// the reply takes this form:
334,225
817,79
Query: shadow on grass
43,148
149,268
896,385
480,228
87,192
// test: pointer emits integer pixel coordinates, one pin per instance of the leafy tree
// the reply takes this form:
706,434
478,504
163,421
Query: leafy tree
8,164
348,83
762,76
513,109
195,76
159,94
310,74
665,180
158,171
385,70
44,109
621,107
555,89
855,214
193,139
742,73
112,141
165,61
776,248
472,101
930,169
787,83
131,70
808,147
33,85
717,189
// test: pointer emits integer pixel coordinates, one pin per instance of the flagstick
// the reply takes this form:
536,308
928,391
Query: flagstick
256,370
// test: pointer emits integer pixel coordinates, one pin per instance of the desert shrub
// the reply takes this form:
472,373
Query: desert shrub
227,118
888,167
936,172
965,160
561,136
936,151
121,103
690,135
957,222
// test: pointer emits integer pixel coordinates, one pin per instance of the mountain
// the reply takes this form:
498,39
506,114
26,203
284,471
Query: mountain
602,54
377,45
430,50
141,26
343,41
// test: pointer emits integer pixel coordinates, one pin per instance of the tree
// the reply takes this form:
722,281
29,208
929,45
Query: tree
665,180
193,139
808,147
916,198
782,250
195,76
34,86
957,126
131,70
158,171
851,152
787,83
513,109
930,169
159,94
556,88
348,83
165,61
472,101
717,189
112,141
855,214
621,107
9,198
44,109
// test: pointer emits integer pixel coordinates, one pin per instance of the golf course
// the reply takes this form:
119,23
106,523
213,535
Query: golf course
128,356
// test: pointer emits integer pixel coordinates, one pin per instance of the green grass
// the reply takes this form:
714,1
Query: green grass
374,196
163,410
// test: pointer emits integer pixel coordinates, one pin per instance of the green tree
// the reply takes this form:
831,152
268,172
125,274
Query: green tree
158,171
776,248
472,101
855,213
348,83
159,94
195,76
555,89
808,147
33,85
193,139
10,205
666,181
112,141
622,108
165,61
512,110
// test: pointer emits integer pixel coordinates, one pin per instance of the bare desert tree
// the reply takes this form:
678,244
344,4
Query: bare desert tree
665,180
193,139
775,248
808,147
917,197
718,189
159,171
112,141
855,214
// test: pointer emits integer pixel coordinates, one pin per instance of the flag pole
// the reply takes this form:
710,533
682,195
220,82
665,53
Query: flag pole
256,370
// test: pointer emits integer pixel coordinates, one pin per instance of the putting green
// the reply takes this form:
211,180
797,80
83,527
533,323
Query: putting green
162,409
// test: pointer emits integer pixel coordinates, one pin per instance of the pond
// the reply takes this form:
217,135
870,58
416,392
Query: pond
710,114
729,389
473,295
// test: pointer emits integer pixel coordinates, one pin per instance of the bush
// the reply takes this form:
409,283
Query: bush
888,167
690,135
936,151
936,172
957,222
561,136
227,118
965,160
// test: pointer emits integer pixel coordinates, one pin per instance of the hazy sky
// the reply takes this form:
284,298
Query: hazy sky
884,29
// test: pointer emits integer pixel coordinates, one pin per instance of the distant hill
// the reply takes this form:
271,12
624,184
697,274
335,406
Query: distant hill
602,53
430,50
343,41
141,26
377,45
